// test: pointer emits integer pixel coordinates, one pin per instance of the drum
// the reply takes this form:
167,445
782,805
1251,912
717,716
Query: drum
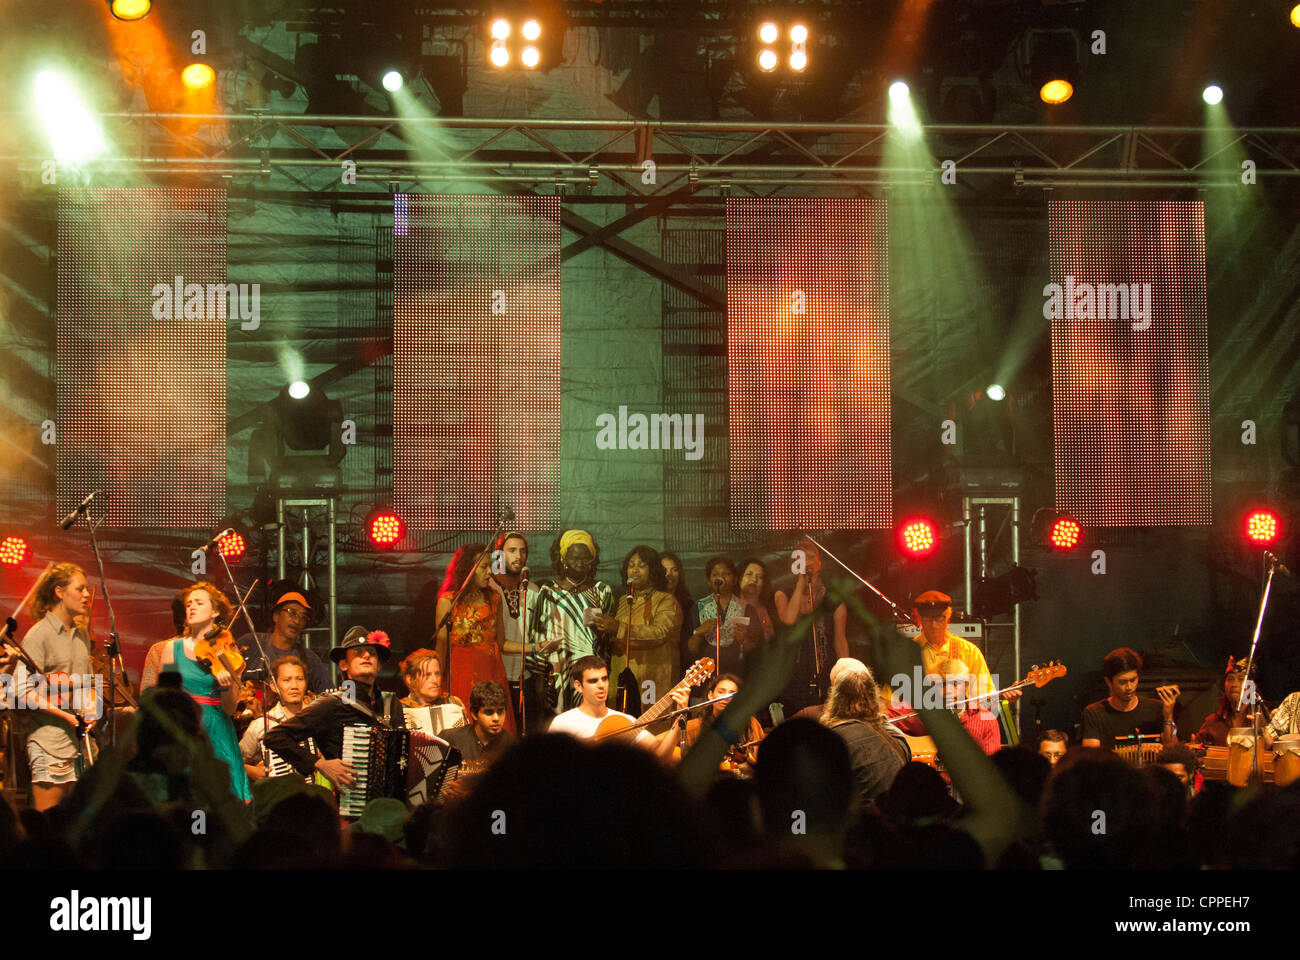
1286,759
1241,755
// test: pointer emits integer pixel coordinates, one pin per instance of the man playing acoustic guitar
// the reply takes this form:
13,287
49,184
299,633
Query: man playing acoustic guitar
590,678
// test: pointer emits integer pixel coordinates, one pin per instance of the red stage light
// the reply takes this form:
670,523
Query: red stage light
1262,527
14,551
1066,533
233,547
918,537
385,529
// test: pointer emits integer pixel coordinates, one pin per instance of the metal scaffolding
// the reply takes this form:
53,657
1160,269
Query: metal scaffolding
745,157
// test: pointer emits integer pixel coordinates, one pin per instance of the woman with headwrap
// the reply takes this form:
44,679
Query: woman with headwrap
567,610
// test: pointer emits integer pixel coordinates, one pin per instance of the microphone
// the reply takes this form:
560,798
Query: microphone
507,515
717,584
71,518
1277,564
523,575
213,542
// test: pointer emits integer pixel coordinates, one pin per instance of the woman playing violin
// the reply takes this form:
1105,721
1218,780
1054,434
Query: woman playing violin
216,689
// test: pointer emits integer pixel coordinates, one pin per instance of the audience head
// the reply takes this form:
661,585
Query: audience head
803,778
1180,760
1097,812
1053,744
853,694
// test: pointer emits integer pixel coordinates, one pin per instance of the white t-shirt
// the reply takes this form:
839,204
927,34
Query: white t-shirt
583,726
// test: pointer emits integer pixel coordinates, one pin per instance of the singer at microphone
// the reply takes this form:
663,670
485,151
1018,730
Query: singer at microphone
644,630
78,510
524,638
720,613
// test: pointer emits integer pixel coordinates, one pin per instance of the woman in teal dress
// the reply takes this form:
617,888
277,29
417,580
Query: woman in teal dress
216,692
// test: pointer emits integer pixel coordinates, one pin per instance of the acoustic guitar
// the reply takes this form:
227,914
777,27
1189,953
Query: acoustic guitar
614,724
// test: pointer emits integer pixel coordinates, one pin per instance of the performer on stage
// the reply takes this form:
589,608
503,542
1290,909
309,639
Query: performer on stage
1124,712
1215,727
823,644
644,628
519,609
54,751
216,691
1285,719
291,681
486,739
675,584
745,752
760,606
723,644
591,686
933,610
568,606
360,701
470,640
422,674
959,683
289,618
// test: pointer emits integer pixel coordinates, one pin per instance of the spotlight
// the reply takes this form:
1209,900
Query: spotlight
1065,534
767,33
1295,15
197,76
73,133
1056,91
996,391
392,81
130,9
500,29
299,389
14,551
918,537
767,60
384,528
233,546
1212,94
798,60
532,30
1262,527
798,33
530,57
500,56
898,91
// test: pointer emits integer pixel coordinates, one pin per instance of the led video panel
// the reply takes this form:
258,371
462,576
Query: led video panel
141,365
808,364
476,360
1130,369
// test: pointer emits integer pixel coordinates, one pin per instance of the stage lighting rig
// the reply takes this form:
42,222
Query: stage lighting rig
521,37
1055,529
301,442
1052,57
384,528
776,38
1262,527
15,551
918,537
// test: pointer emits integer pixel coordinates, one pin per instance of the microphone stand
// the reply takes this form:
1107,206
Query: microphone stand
112,649
523,641
507,516
717,623
897,611
627,651
1272,563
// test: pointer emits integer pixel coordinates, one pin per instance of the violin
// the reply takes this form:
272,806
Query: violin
216,648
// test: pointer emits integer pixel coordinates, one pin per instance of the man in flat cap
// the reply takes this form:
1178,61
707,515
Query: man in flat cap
289,618
933,611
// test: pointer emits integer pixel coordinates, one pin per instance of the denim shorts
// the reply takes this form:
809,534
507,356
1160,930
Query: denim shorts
48,769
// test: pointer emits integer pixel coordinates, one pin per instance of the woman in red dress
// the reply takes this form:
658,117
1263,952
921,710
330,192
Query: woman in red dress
469,641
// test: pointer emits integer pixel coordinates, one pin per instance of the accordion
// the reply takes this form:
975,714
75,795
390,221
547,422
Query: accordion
433,720
407,765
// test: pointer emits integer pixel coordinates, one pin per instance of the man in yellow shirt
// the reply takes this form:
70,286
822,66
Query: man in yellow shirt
933,612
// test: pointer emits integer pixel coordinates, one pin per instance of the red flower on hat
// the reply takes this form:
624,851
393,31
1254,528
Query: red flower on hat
379,638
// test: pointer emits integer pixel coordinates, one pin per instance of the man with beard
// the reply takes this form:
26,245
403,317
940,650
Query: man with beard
519,597
289,619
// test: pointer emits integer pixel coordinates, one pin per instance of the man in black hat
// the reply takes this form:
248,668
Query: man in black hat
359,701
289,619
